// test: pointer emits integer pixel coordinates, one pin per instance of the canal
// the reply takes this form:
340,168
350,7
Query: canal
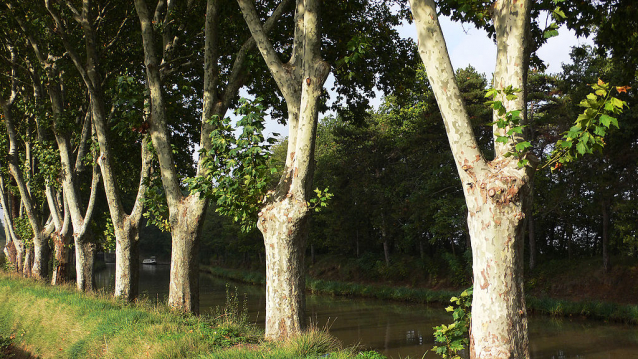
399,330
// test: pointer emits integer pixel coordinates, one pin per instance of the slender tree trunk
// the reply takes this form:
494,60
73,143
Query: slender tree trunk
20,254
386,252
28,262
10,252
421,250
386,247
605,239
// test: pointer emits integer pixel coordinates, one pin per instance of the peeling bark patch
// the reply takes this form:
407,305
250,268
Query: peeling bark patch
485,283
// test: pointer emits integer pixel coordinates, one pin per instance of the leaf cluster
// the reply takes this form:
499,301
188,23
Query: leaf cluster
454,337
236,169
588,132
510,121
23,229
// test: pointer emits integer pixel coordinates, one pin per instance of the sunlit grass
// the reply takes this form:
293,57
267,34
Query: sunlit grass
59,322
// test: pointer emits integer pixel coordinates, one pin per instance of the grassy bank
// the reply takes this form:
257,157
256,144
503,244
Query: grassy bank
58,322
590,309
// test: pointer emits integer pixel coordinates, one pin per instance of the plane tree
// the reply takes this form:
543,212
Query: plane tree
498,191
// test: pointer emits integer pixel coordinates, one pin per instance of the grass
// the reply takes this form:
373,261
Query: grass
585,309
59,322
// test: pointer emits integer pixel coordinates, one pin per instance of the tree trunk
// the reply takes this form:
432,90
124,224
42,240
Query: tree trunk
386,247
40,257
284,218
19,255
386,252
61,260
10,253
284,227
605,239
28,262
498,306
127,268
186,228
84,251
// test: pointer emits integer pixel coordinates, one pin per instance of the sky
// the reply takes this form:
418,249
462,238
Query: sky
470,46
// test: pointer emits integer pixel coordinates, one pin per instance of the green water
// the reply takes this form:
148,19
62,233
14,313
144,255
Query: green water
401,330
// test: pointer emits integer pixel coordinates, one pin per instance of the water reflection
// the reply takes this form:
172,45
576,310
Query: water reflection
400,330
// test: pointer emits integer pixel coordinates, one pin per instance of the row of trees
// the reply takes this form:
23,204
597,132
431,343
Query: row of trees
132,91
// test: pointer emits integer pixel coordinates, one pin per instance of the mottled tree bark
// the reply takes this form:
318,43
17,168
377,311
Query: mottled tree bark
61,252
84,258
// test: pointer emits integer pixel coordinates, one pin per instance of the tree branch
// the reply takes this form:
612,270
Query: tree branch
265,47
435,56
235,79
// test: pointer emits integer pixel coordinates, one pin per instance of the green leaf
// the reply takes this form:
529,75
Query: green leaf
606,120
550,33
581,148
617,103
522,146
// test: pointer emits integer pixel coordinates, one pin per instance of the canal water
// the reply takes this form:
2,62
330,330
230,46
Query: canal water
399,330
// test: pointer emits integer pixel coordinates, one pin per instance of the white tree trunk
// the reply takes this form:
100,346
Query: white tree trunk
284,226
40,257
